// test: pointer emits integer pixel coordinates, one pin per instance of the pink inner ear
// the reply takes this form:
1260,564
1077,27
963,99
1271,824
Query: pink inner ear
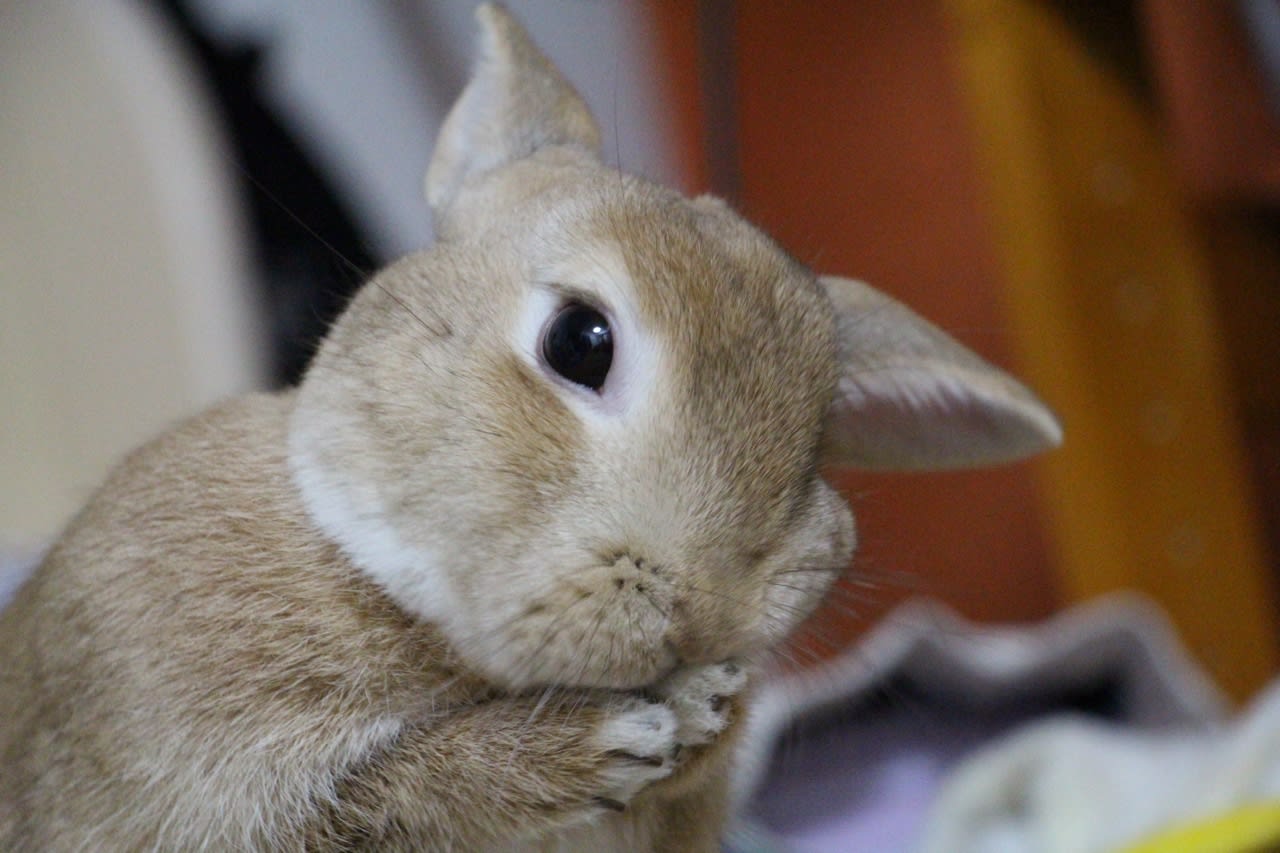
925,416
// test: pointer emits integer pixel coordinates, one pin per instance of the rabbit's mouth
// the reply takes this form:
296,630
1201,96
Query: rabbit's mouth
621,623
606,625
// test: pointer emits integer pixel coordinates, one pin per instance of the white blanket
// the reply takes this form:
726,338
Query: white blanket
1069,785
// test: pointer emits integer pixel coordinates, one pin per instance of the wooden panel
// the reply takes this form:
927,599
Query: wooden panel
1113,319
677,68
1244,254
1221,116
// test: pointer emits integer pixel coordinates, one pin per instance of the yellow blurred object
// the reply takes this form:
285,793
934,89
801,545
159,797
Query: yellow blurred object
1109,299
1249,829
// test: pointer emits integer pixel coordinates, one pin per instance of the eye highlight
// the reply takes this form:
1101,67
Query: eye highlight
578,345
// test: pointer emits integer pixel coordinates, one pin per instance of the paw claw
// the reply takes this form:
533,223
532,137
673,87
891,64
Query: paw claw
701,696
610,804
651,760
637,739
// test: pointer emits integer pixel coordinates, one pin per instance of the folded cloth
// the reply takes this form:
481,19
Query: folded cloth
850,755
968,668
1069,785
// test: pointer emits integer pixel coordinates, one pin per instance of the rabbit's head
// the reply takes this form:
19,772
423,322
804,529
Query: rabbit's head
584,433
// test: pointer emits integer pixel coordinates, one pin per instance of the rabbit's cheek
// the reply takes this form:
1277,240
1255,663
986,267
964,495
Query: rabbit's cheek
819,553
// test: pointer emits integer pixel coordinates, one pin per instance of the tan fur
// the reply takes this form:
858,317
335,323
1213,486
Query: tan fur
440,598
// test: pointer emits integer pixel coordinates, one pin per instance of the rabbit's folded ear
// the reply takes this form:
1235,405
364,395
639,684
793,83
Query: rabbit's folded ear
912,398
516,103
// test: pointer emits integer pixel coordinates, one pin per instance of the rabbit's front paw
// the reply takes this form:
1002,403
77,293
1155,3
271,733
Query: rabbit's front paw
638,739
703,700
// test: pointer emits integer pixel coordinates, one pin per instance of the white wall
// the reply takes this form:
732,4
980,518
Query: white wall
125,297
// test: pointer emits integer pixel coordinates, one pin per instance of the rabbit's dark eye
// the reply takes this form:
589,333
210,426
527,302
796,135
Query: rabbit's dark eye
579,345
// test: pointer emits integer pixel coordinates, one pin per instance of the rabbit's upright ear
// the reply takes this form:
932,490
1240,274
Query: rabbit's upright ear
516,103
912,398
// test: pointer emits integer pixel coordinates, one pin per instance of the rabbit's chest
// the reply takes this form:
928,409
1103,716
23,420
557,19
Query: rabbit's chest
620,834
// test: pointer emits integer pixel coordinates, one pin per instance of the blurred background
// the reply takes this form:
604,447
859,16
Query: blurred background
1086,193
1083,192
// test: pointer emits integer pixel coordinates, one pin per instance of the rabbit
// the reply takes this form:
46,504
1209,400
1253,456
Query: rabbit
498,573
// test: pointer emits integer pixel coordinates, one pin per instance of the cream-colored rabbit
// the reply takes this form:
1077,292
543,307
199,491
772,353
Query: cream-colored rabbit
494,575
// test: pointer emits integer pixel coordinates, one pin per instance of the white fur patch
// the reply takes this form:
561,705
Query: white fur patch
413,577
